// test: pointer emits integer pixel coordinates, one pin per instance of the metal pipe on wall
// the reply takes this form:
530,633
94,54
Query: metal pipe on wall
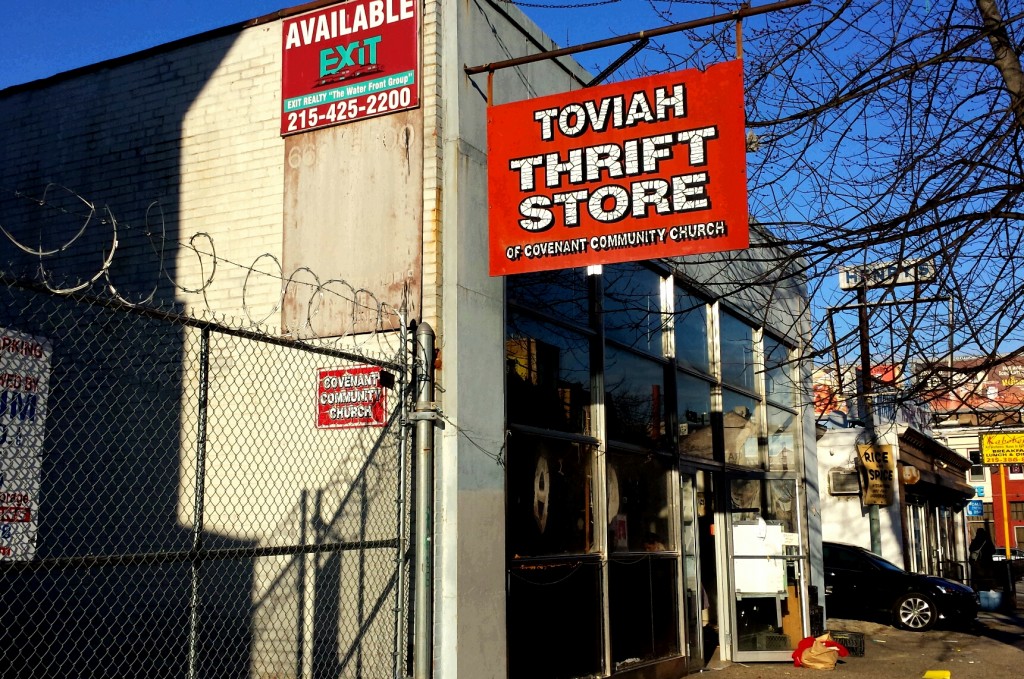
425,416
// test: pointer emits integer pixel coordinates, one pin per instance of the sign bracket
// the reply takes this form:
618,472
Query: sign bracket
735,15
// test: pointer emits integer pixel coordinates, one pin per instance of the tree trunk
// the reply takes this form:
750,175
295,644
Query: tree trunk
1005,56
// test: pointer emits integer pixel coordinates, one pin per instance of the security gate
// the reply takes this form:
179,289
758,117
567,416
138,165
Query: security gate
183,498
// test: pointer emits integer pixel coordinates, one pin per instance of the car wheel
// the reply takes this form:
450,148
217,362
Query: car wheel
915,612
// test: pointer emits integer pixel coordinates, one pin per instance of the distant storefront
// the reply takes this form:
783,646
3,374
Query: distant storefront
923,527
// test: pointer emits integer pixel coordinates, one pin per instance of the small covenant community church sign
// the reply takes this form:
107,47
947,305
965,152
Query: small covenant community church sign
644,169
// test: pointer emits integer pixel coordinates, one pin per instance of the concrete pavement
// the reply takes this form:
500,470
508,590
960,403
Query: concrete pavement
992,648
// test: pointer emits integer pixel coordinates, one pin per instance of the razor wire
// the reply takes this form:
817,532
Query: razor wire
84,221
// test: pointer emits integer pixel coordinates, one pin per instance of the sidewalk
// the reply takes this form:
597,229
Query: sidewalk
992,648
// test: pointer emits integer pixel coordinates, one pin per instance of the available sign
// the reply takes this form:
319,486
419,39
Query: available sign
349,61
1002,448
644,169
350,397
24,385
877,462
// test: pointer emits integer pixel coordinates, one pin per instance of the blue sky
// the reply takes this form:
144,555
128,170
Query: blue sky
39,38
42,37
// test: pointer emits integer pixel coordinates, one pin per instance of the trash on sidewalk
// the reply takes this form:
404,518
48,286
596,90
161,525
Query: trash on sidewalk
936,674
991,600
819,653
853,641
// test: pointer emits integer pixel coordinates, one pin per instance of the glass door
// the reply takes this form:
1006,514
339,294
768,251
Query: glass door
769,608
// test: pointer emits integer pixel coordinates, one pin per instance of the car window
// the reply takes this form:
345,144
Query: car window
837,557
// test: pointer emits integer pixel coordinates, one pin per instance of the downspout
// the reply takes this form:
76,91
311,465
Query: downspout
425,416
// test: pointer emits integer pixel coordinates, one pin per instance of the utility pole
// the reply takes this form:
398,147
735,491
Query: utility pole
864,402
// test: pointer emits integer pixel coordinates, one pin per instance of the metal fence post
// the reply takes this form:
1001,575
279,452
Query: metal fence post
400,655
197,512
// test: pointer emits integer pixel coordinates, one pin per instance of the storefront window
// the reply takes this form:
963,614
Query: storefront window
638,503
559,294
634,399
632,308
562,590
737,352
783,434
643,608
781,506
780,386
642,568
740,420
547,375
693,399
691,321
550,506
555,619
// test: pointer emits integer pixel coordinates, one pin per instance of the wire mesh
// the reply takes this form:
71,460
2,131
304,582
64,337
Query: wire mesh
190,518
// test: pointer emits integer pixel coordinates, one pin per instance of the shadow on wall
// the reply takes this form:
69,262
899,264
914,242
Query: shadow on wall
102,598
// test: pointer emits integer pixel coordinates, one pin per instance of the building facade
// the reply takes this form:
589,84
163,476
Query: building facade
987,401
624,480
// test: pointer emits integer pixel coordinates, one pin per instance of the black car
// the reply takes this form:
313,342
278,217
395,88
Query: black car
862,585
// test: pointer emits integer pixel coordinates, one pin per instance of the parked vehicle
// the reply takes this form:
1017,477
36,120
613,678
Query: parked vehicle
863,586
1016,563
1015,554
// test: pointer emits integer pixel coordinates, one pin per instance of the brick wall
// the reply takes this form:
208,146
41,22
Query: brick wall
181,140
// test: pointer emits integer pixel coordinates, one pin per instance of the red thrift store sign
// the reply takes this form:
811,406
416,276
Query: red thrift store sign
650,168
349,61
350,397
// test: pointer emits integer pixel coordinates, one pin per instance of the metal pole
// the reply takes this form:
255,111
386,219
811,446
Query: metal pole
633,37
835,353
425,415
868,416
1009,586
198,502
400,656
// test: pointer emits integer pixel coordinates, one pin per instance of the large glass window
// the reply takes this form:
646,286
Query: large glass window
549,497
737,352
632,307
634,399
643,573
780,386
555,616
561,294
691,330
643,608
741,424
547,375
693,400
783,434
639,499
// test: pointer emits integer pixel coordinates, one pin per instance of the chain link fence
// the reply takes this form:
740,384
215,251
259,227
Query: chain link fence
186,499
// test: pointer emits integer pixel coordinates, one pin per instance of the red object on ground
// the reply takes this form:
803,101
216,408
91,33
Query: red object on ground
807,642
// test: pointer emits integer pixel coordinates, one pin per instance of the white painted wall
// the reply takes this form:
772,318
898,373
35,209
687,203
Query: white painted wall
843,519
